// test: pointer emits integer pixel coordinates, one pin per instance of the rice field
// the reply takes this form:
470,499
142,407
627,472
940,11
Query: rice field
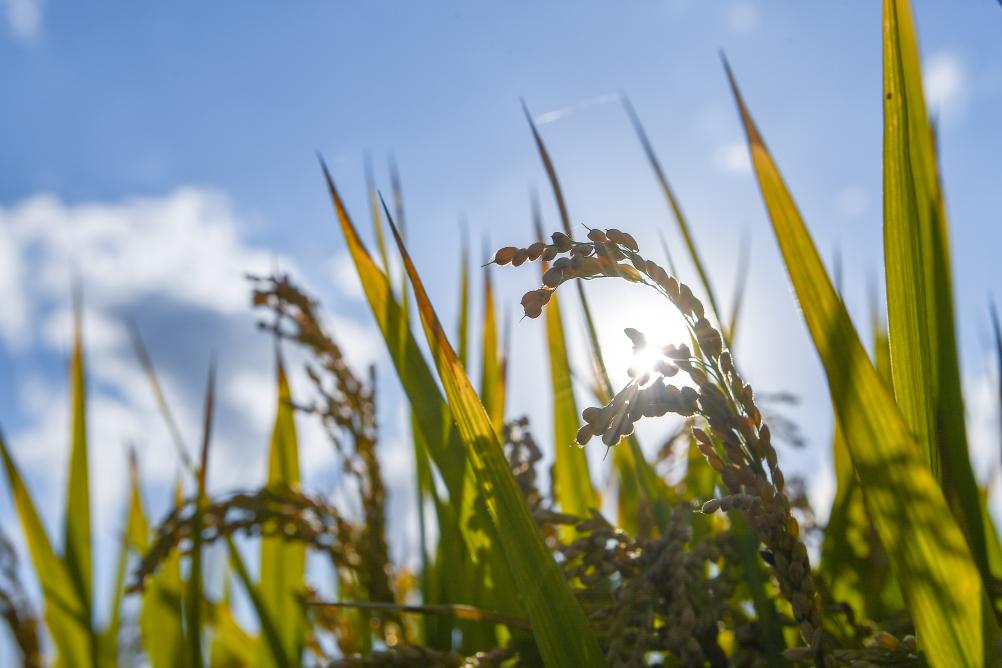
714,565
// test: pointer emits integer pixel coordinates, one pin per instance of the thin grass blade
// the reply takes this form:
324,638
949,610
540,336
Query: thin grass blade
272,632
676,209
65,614
283,562
194,589
571,486
77,545
647,481
464,304
490,361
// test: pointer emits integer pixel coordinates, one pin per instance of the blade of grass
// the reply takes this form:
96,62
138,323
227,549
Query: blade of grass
273,637
432,415
740,283
559,624
571,486
109,636
490,362
464,302
283,563
65,614
997,335
676,209
77,545
565,221
940,582
194,588
162,405
924,361
648,482
231,644
854,564
160,617
374,212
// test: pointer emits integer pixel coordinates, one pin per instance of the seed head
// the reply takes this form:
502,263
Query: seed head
561,241
636,338
553,277
505,255
534,301
623,239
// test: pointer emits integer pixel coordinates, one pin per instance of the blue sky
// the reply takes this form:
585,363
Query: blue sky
158,151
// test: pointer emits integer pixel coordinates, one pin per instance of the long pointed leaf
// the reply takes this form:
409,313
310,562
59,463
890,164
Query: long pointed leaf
490,362
676,209
559,624
65,614
648,482
572,486
265,614
924,361
283,562
160,618
193,608
928,552
430,411
77,545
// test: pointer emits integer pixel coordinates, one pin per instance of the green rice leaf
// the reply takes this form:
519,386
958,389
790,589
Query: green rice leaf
491,379
377,216
997,337
194,589
924,363
109,636
283,563
559,624
464,306
676,209
272,633
160,617
645,480
928,552
572,485
66,615
232,646
431,414
77,546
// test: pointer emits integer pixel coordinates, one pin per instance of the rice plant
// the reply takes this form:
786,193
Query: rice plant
709,566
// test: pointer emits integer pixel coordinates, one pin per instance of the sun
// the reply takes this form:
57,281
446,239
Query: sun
645,359
648,314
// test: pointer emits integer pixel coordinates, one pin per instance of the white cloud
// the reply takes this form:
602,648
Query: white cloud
852,201
24,18
14,315
733,157
175,263
342,270
742,17
947,85
183,247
